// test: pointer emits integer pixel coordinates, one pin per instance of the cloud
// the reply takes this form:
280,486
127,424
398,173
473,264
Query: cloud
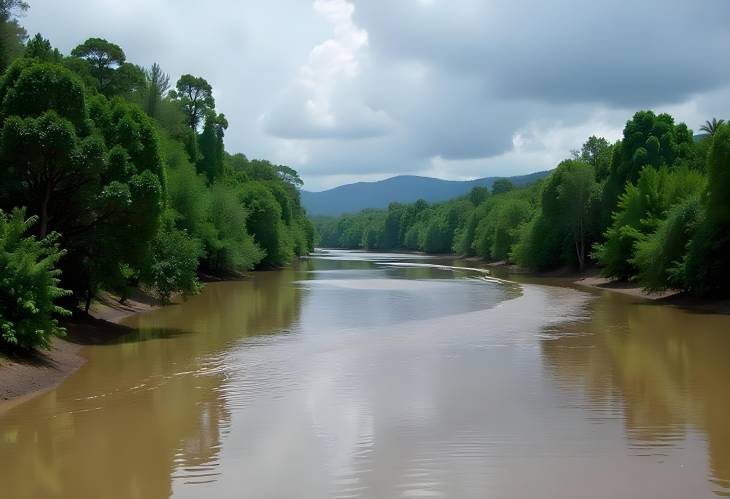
623,53
363,89
323,103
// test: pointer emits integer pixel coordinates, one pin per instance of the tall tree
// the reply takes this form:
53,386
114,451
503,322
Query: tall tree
158,84
40,48
597,152
196,98
648,140
11,34
707,268
210,146
563,227
50,163
103,56
575,194
711,127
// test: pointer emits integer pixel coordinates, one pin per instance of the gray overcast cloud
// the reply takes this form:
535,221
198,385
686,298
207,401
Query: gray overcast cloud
346,90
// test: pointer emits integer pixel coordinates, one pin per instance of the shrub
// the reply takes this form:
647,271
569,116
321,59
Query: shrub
659,255
174,261
28,284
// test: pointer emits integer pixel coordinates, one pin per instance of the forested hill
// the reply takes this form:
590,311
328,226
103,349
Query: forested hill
351,198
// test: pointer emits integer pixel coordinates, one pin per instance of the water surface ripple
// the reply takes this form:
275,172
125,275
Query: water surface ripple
364,375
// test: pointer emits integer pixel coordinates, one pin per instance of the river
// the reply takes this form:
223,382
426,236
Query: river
362,375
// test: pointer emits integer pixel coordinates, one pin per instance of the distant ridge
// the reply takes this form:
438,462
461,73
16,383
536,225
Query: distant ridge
351,198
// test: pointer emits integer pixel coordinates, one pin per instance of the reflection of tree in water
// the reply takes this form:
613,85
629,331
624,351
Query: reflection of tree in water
142,411
665,369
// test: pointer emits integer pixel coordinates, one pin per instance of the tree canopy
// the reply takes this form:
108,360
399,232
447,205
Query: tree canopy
125,183
196,98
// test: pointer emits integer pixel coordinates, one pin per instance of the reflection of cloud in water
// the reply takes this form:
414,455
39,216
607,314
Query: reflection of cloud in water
420,411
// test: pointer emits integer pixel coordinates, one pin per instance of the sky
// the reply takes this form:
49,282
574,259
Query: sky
353,90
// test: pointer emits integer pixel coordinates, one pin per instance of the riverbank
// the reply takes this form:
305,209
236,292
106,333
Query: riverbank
671,297
25,375
623,287
592,279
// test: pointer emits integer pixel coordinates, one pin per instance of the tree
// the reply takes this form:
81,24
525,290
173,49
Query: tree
648,140
103,56
129,81
575,194
173,264
564,226
659,255
707,266
391,227
233,250
41,49
502,185
288,175
370,238
641,208
264,223
711,127
157,86
464,242
497,228
29,284
435,237
31,88
210,146
51,165
196,99
8,8
12,35
508,216
478,195
597,152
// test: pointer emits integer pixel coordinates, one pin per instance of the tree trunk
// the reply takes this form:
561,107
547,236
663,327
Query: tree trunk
88,299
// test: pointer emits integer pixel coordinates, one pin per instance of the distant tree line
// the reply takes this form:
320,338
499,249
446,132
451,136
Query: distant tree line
110,179
654,208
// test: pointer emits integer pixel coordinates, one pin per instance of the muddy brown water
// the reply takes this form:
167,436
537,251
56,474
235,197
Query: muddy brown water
359,375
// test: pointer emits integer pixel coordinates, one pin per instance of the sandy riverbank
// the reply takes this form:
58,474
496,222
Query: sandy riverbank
670,297
22,376
623,287
592,279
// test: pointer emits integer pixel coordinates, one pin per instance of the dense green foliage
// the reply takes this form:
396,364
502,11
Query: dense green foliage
654,207
130,178
29,283
706,267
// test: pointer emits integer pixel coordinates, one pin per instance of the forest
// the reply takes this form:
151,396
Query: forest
652,208
113,177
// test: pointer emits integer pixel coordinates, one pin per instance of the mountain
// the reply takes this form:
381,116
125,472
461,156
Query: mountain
351,198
